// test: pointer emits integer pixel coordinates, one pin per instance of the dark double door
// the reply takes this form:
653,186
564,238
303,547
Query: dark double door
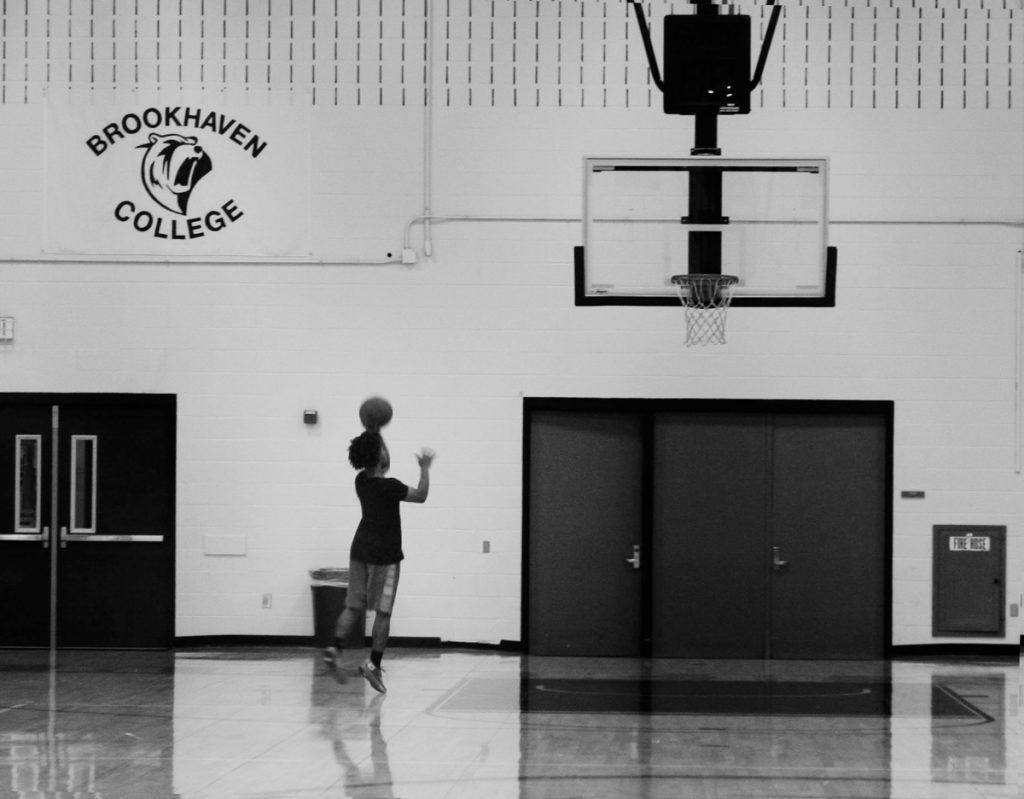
87,520
756,531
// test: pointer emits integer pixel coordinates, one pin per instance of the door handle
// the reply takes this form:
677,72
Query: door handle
778,564
635,560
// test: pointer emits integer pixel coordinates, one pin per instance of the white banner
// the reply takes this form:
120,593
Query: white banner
192,178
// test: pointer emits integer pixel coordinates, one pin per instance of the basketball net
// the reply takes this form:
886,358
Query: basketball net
705,300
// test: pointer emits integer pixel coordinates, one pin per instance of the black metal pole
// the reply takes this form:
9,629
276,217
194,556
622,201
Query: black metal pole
705,134
704,251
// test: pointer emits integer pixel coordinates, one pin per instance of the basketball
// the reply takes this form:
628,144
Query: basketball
374,413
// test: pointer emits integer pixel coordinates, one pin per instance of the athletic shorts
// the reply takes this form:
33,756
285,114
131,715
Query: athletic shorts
372,586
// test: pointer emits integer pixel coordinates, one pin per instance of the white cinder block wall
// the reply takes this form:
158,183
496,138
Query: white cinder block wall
919,107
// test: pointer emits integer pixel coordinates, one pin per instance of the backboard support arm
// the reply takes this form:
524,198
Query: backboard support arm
645,34
766,45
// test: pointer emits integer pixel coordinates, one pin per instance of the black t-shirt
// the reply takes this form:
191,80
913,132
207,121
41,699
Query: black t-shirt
378,537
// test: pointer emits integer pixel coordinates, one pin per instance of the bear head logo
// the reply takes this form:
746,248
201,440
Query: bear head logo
171,168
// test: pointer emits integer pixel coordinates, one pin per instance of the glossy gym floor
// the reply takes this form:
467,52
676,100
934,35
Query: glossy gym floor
456,724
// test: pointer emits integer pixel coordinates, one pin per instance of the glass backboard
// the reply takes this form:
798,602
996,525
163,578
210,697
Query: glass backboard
764,220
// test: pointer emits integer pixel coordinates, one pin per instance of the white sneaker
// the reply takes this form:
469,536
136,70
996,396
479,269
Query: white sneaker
374,676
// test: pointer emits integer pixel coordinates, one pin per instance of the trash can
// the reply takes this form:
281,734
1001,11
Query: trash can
330,588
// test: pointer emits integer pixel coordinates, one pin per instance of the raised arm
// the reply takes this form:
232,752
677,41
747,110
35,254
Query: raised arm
419,493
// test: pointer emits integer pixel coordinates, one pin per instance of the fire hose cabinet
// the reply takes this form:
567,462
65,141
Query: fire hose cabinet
969,580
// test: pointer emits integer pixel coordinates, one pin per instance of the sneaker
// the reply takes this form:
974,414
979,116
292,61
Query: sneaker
331,655
373,676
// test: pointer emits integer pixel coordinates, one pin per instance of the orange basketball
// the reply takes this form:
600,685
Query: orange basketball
374,413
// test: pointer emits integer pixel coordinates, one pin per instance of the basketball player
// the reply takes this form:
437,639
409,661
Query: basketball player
376,553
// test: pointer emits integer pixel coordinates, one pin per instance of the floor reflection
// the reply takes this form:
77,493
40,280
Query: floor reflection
75,724
349,737
971,753
265,723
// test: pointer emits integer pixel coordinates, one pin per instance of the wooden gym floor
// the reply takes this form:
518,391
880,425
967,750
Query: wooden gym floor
275,722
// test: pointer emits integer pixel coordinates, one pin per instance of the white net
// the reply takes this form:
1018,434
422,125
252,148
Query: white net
705,300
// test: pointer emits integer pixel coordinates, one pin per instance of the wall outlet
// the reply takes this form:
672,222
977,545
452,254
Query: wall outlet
268,600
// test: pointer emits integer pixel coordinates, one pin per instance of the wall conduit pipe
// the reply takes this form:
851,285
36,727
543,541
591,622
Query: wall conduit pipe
428,128
1018,346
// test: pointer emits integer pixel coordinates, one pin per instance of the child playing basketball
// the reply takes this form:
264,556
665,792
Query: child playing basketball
376,553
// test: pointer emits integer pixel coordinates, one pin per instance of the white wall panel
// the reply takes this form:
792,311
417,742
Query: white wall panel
917,106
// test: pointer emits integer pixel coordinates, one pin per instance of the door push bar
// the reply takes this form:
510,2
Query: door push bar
43,537
66,537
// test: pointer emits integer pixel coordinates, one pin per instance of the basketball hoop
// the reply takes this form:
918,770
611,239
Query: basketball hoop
705,299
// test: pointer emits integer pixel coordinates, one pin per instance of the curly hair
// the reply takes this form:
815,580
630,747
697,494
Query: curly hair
364,450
